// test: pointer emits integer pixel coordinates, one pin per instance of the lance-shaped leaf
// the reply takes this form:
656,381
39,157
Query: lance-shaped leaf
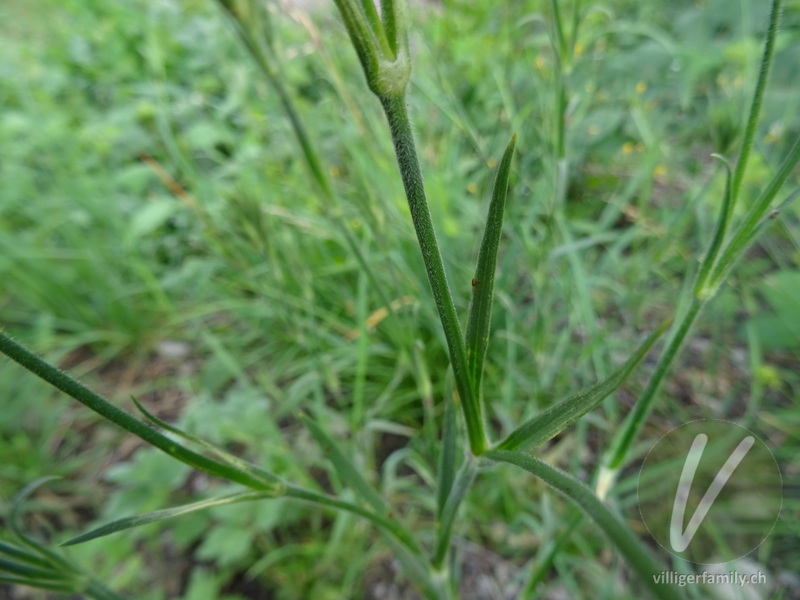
22,555
167,513
344,467
757,216
105,409
480,311
636,554
256,472
701,290
558,417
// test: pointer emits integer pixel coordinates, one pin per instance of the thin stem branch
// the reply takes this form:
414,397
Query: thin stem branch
633,423
405,149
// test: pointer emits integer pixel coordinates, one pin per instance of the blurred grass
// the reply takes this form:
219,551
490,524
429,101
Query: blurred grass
153,193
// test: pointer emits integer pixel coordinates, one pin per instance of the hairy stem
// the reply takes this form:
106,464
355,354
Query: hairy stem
407,160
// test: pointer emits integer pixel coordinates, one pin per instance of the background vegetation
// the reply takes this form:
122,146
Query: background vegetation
160,236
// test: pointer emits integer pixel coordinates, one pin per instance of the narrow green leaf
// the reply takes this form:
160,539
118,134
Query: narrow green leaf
734,251
758,97
748,230
268,479
701,290
16,507
558,417
23,570
362,37
54,560
344,467
480,311
444,525
447,450
636,554
105,409
45,568
22,555
167,513
56,586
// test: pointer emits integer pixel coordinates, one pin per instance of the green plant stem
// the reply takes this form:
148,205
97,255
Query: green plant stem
635,419
758,97
88,398
558,29
747,231
717,264
405,149
636,555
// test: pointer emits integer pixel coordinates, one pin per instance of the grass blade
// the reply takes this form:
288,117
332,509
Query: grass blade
558,417
27,571
56,586
22,555
480,312
444,525
758,97
447,451
167,513
42,567
543,563
53,559
344,467
635,553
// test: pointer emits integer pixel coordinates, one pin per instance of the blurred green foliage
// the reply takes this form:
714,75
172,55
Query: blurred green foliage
153,192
